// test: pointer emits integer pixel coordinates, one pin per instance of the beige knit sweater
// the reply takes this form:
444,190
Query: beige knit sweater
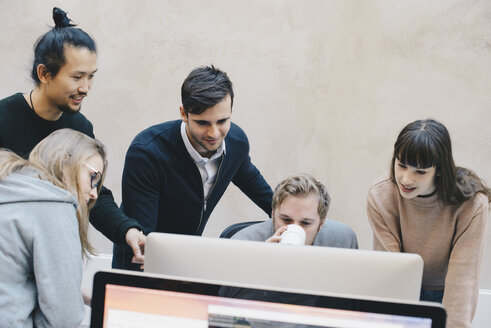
449,238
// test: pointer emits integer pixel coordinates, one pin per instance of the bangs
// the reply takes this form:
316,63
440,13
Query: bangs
417,149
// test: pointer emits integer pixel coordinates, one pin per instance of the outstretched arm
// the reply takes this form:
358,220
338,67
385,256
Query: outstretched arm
462,280
108,219
141,184
250,181
384,238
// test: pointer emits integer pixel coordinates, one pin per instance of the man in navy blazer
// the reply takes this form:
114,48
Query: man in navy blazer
176,172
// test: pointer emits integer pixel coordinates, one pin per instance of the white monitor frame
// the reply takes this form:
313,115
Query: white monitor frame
337,271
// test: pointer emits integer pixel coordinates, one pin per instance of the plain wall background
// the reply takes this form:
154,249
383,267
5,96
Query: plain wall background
322,87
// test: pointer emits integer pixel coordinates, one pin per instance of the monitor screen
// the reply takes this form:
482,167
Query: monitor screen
313,268
140,300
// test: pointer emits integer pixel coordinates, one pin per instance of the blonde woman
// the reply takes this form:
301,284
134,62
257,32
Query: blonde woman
44,211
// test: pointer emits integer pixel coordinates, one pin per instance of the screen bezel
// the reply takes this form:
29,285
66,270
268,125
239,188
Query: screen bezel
102,278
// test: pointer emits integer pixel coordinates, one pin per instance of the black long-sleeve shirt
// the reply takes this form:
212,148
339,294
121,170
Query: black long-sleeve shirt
21,130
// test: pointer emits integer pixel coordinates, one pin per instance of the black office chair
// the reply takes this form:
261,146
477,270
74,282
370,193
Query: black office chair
236,227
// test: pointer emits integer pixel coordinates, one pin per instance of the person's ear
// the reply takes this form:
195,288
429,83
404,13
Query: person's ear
184,116
43,74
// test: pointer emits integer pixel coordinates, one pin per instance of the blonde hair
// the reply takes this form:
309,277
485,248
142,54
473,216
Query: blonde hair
64,150
302,185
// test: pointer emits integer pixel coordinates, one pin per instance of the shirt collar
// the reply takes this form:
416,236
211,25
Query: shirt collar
197,158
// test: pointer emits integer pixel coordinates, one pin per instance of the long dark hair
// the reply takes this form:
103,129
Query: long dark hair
426,143
49,48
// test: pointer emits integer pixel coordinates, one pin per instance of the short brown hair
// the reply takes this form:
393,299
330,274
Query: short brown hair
205,87
301,185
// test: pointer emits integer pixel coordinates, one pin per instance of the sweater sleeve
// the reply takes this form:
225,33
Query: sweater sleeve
57,264
462,280
251,182
256,232
385,238
2,130
141,185
106,217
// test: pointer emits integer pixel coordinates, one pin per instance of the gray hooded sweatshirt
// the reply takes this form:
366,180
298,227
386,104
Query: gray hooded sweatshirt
40,255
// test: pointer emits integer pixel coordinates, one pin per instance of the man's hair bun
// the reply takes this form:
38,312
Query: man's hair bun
59,16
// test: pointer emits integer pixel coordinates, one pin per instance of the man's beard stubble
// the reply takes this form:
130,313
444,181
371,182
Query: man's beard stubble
68,110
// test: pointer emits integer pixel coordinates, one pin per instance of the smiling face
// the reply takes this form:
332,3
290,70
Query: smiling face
206,131
302,211
66,90
412,181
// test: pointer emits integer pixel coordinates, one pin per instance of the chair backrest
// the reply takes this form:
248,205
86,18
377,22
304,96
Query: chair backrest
236,227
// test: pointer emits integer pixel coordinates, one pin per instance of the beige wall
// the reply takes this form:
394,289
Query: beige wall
321,86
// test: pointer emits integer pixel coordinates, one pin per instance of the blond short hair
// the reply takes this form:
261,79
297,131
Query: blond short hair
301,185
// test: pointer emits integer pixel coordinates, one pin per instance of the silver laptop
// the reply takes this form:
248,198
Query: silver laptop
309,268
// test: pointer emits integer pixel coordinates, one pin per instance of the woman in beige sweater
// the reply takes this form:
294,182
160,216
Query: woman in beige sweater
430,207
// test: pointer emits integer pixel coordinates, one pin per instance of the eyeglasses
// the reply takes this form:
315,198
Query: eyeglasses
95,178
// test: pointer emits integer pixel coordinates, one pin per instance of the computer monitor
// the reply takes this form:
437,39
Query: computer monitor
309,268
122,299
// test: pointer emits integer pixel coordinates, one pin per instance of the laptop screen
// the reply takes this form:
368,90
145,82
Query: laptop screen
137,300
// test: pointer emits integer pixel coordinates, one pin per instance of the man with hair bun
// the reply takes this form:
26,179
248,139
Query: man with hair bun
301,200
63,70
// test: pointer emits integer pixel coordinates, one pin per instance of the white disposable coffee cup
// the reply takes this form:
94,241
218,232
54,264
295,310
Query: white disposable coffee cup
293,235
